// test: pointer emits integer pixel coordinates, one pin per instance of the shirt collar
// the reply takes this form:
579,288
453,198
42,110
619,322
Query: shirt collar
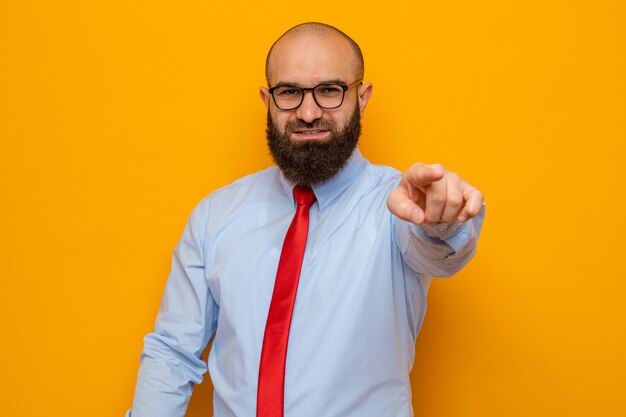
327,192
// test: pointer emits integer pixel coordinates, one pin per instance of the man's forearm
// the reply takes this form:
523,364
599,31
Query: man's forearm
439,250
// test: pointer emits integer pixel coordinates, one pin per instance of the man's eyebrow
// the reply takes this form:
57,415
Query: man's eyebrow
334,81
295,84
282,83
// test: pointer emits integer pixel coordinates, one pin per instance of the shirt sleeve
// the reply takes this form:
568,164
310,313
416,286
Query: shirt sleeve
170,362
438,250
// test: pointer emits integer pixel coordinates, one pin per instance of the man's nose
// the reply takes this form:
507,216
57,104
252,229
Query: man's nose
309,111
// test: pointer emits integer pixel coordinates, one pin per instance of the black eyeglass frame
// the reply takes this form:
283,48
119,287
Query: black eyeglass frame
312,90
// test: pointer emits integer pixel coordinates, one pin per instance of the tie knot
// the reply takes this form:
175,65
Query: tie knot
304,195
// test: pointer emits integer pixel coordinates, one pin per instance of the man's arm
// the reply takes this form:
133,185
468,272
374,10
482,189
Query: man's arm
438,219
170,362
438,250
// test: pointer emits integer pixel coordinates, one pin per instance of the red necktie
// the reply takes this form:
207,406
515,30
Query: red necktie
271,388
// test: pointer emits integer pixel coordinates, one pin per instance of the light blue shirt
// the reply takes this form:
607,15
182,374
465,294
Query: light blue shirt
360,304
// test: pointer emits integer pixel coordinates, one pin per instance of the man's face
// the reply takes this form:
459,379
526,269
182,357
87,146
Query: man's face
311,144
313,161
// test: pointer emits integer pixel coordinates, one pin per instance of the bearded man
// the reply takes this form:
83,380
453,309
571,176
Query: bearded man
310,277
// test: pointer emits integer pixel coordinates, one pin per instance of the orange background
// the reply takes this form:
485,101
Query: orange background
117,117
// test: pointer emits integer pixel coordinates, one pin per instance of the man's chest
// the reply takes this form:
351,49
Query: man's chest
347,255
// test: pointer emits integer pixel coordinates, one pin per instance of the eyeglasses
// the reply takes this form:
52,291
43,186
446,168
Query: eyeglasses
326,95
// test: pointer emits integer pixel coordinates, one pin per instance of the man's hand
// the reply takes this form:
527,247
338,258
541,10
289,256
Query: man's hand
431,193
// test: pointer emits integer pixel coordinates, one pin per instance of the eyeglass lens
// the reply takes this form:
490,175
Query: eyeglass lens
325,95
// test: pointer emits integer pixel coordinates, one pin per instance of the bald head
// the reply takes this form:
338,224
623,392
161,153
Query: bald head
320,31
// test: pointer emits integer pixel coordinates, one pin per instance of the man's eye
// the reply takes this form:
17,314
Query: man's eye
330,90
289,92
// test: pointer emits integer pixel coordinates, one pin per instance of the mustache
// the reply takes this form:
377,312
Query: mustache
321,124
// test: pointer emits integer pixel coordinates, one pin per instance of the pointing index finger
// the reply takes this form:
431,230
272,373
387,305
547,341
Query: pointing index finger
422,175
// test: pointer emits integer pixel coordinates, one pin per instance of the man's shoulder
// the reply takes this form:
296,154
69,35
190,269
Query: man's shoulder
233,194
382,170
381,175
266,178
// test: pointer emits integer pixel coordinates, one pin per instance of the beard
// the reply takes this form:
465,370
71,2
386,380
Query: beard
311,161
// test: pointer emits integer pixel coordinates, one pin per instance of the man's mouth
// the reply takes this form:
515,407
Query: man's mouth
308,134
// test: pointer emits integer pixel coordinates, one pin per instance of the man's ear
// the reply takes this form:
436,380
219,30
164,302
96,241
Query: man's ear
265,96
364,92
